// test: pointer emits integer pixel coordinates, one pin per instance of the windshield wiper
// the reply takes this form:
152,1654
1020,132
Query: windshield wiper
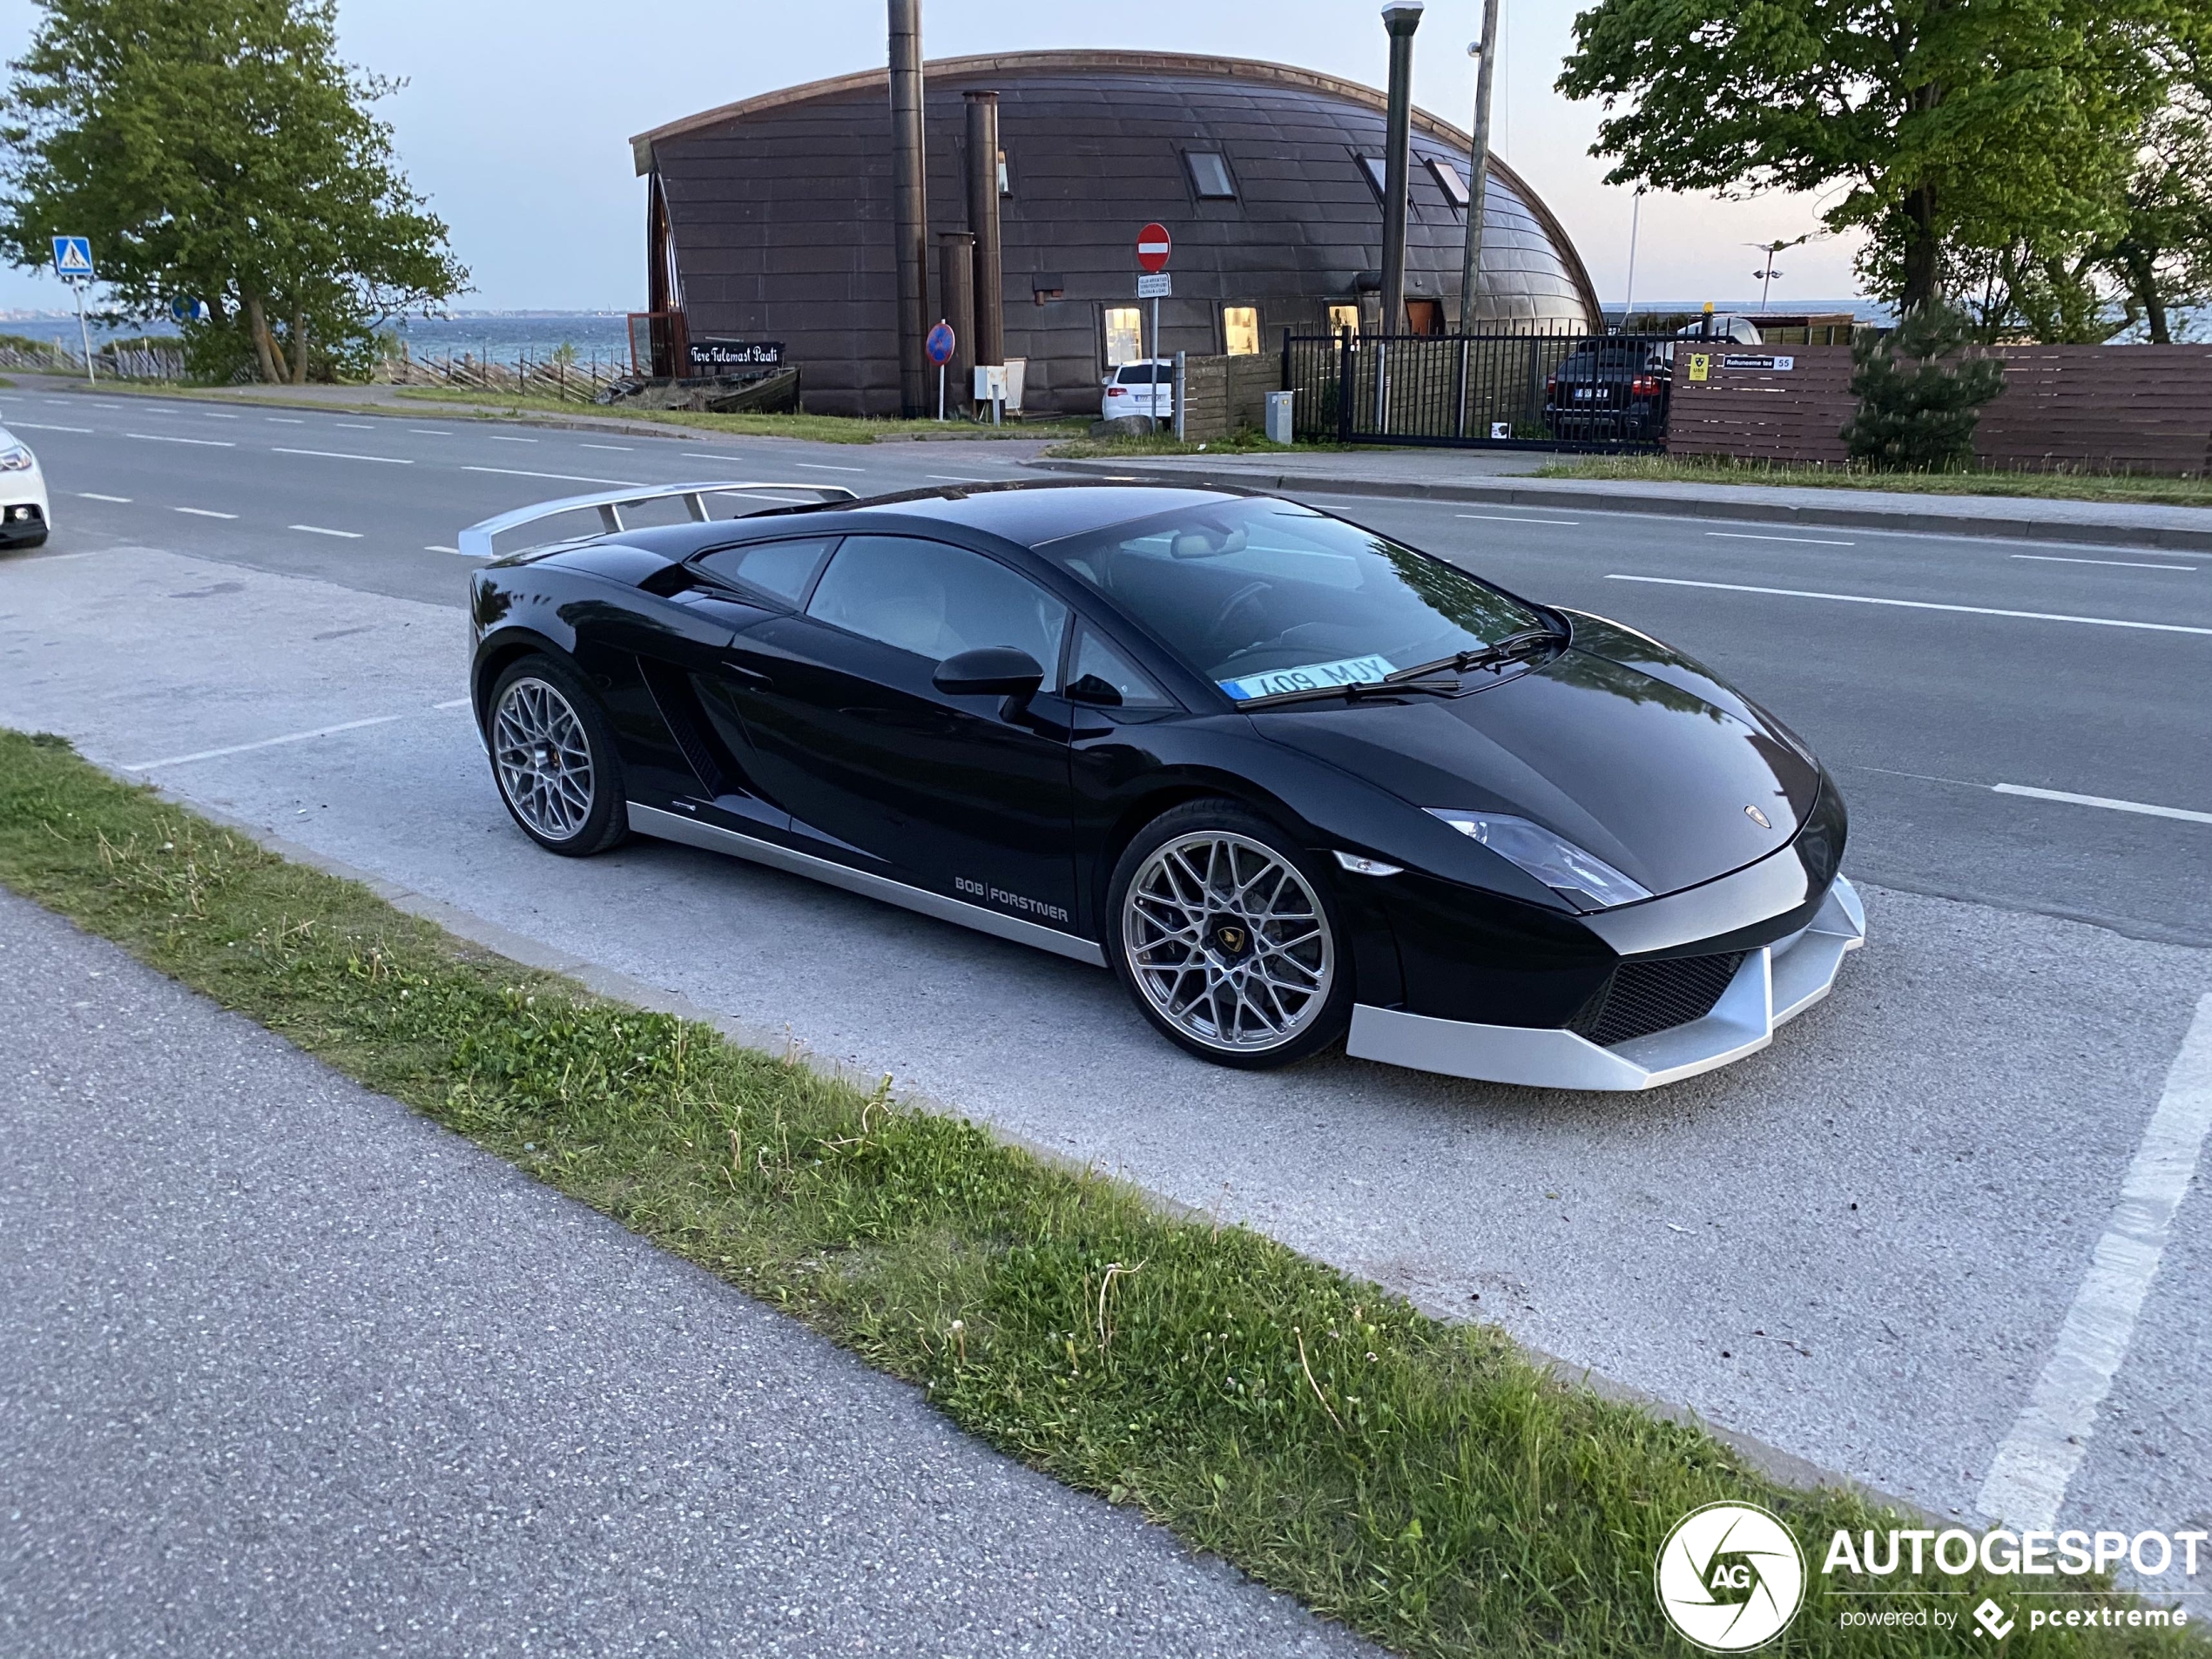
1354,690
1505,649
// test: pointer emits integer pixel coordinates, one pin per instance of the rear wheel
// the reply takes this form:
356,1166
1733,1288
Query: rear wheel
553,756
1224,933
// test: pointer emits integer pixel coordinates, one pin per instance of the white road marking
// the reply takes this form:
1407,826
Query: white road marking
500,438
710,454
34,425
1804,541
1913,604
202,512
2125,564
954,478
317,530
1512,518
205,444
816,466
356,426
100,404
265,742
452,703
345,455
217,415
2029,1475
432,431
624,448
2105,801
88,494
566,477
282,420
436,547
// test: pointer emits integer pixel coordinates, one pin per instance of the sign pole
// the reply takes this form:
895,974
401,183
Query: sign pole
83,334
941,394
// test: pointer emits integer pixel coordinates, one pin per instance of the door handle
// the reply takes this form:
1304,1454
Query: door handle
750,676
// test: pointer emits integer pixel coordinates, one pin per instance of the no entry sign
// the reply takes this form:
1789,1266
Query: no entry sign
1153,246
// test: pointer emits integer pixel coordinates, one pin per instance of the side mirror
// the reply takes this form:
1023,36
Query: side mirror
992,671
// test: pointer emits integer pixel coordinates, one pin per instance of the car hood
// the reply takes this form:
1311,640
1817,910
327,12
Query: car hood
1653,775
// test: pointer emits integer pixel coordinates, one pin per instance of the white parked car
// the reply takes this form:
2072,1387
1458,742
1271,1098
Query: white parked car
24,511
1141,388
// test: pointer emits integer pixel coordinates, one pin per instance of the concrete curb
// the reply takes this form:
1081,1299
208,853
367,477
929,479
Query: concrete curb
1602,498
1785,1469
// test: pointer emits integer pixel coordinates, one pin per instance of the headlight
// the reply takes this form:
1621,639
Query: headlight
1583,879
15,458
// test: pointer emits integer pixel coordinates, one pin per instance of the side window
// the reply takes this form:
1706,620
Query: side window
1099,673
937,601
779,569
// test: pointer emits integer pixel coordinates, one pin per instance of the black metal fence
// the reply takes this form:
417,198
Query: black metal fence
1564,389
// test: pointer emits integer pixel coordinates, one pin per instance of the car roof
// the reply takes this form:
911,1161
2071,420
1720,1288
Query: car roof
1028,514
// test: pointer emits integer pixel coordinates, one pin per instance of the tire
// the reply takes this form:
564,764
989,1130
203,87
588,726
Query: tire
1225,934
554,760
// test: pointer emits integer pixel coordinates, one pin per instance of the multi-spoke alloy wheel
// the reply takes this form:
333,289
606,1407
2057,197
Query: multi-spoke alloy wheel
544,758
1228,943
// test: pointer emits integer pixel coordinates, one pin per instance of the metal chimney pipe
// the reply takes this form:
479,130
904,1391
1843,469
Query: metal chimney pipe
1401,18
983,223
910,208
956,285
1479,177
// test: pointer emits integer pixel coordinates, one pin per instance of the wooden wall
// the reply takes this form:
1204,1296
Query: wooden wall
2091,408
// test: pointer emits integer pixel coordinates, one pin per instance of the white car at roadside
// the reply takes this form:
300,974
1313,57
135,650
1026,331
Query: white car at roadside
25,515
1146,389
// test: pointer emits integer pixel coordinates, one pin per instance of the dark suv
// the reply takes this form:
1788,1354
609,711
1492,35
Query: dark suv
1611,391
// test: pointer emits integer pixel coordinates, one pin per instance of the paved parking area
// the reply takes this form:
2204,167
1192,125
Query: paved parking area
1860,1247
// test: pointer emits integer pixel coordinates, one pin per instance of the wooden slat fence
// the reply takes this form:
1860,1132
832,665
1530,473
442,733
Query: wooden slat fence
2090,409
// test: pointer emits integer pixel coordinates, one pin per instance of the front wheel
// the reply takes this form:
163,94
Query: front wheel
1225,933
553,756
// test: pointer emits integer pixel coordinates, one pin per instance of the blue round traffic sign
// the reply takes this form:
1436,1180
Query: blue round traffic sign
939,343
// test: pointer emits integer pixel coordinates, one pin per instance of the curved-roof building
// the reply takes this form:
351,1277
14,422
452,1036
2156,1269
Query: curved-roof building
771,218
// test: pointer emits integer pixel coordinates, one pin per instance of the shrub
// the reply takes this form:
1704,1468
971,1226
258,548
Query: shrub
1920,397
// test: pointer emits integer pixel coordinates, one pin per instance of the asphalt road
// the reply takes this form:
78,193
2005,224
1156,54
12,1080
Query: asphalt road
1861,1245
285,1369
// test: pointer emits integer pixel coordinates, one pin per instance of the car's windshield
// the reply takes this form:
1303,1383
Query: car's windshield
1266,596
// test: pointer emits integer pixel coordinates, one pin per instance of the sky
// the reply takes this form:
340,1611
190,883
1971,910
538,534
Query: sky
516,118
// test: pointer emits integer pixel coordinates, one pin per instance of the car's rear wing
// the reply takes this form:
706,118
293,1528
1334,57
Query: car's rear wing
477,540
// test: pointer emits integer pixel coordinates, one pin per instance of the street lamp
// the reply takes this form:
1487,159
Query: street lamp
1485,51
1767,275
1635,224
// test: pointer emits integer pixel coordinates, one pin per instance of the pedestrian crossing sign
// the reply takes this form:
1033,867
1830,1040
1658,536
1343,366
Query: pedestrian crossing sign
73,257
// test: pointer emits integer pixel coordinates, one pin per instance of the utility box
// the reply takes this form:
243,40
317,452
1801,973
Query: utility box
1279,430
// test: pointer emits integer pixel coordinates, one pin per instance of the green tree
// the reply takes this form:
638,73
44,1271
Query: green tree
1920,394
219,150
1936,126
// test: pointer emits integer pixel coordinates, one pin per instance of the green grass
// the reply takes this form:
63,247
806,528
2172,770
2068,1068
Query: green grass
2043,486
821,429
1423,1482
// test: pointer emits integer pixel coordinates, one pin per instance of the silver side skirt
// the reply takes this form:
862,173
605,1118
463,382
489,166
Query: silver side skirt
673,826
1776,983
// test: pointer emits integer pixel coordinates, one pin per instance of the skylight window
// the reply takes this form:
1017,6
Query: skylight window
1450,180
1209,175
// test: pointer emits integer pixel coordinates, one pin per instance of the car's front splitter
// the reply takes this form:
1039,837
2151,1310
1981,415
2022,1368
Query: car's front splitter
1776,982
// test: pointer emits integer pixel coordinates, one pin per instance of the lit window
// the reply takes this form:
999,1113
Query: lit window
1124,336
1344,317
1450,180
1240,330
1209,173
1006,185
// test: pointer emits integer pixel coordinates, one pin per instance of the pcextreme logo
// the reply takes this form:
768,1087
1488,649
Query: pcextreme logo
1730,1577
